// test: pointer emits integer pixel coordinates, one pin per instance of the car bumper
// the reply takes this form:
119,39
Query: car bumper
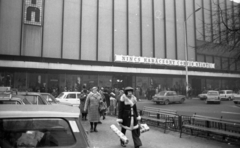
236,101
213,100
158,100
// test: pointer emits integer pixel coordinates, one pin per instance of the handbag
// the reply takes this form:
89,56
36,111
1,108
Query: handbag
102,107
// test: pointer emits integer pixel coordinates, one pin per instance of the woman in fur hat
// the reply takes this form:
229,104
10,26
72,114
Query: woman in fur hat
128,116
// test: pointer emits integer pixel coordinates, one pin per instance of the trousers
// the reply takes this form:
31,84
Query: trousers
135,136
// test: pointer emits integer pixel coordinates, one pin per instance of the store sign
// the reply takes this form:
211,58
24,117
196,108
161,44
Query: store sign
33,12
159,61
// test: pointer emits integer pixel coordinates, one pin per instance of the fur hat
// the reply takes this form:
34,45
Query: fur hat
128,89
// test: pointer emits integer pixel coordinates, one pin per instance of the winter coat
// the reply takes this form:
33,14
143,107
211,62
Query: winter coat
83,98
128,115
92,105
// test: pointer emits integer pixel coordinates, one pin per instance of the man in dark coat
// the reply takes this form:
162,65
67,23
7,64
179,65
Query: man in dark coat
128,116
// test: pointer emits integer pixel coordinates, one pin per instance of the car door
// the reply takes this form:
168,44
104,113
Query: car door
175,97
229,94
170,96
72,99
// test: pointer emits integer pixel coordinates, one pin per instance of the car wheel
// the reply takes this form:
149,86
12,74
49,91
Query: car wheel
166,102
157,102
182,100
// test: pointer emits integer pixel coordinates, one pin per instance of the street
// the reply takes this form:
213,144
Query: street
226,109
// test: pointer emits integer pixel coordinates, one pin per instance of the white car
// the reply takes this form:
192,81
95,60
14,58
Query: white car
226,95
213,96
72,98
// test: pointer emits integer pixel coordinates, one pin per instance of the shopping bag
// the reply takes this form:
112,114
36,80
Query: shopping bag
144,128
119,134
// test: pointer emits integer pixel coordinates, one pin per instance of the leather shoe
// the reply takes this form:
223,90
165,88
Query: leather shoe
91,130
95,130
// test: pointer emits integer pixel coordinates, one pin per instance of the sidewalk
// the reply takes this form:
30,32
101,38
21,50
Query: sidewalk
155,138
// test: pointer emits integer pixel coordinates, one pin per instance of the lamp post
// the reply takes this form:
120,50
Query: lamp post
186,48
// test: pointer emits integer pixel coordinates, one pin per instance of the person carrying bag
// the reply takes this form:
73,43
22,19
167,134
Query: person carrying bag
128,117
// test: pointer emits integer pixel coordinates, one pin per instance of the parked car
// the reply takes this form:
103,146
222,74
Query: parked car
72,98
166,97
226,95
213,96
34,98
203,95
13,99
41,126
236,99
7,96
50,98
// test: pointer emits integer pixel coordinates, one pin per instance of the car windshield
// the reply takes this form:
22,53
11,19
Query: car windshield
204,92
34,99
60,95
161,93
221,92
43,132
212,93
49,98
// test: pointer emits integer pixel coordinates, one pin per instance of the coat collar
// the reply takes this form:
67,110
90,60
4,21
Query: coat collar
128,101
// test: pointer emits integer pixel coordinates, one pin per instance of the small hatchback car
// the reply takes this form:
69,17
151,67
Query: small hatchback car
41,126
226,95
72,98
213,96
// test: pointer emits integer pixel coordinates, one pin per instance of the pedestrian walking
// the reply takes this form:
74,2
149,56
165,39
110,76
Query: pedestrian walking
92,106
103,113
112,103
118,94
83,97
128,117
107,98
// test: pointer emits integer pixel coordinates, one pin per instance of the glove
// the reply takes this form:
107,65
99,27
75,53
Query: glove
119,120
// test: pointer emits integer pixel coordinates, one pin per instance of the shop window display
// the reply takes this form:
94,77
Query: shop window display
122,81
20,81
6,79
90,80
73,83
142,84
38,82
53,82
105,81
62,82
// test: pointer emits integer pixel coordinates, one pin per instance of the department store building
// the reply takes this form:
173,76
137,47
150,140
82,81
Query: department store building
110,43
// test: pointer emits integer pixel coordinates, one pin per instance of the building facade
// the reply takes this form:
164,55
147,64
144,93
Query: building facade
63,43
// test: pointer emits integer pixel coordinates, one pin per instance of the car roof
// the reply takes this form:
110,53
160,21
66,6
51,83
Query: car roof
44,93
212,91
225,90
10,111
65,92
29,93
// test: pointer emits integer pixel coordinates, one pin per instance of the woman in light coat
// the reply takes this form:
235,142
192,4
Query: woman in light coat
92,106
